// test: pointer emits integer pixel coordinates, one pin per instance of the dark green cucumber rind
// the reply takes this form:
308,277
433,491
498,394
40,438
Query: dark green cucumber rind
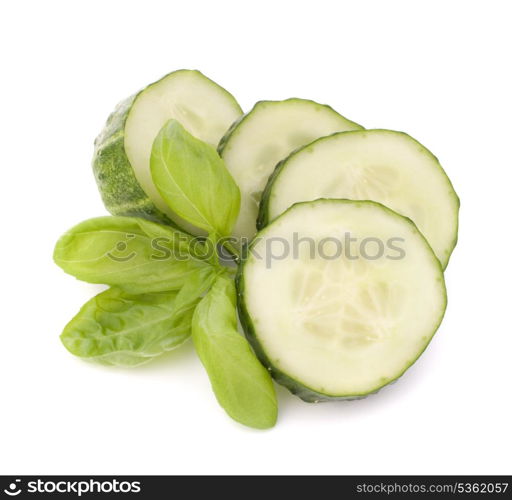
120,190
264,217
225,138
234,127
295,386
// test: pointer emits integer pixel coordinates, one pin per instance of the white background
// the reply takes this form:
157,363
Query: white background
439,70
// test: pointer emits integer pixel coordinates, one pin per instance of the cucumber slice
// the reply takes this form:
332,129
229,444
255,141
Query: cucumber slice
381,165
343,326
265,135
122,150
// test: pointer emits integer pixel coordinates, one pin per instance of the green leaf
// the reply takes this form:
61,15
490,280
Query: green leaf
243,387
133,253
117,328
198,283
193,180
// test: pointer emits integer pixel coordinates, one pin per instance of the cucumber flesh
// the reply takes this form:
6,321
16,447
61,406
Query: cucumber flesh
381,165
123,149
340,328
265,135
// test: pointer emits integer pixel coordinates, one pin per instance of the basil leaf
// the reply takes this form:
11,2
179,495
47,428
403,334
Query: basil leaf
243,387
197,284
193,180
136,254
117,328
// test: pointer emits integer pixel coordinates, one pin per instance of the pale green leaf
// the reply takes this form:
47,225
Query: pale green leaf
133,253
117,328
192,179
243,387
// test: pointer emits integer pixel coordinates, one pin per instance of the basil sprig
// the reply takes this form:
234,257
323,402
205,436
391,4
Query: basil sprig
167,285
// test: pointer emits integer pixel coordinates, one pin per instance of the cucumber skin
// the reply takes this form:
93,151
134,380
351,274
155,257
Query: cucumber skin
118,186
225,138
263,215
234,126
294,386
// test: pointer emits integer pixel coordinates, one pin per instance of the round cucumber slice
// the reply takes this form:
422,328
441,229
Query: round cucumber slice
123,148
268,133
340,324
381,165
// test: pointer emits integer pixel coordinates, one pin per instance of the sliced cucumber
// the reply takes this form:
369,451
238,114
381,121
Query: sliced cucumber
122,150
381,165
340,326
265,135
